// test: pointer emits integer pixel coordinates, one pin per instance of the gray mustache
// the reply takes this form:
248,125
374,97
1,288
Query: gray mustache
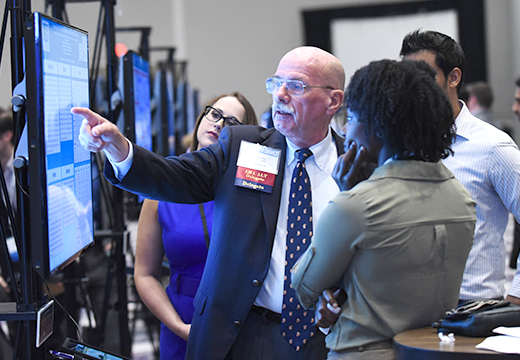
282,108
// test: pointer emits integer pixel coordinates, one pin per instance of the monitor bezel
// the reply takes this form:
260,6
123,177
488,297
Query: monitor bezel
39,229
129,63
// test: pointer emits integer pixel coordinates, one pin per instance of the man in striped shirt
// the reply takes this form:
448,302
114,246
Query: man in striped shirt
486,161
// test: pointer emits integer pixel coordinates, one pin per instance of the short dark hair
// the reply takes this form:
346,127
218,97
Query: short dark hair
448,52
517,82
482,91
400,102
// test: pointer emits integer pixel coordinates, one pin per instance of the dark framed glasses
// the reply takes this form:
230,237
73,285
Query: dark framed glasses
215,115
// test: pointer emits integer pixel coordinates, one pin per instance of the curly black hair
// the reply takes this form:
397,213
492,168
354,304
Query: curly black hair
448,52
400,102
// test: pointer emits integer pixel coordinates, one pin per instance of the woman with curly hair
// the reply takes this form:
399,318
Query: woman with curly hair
398,241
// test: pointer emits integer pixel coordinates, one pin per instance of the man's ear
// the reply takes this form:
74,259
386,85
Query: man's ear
454,78
336,100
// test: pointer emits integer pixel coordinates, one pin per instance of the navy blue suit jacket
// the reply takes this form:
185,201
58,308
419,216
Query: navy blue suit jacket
244,225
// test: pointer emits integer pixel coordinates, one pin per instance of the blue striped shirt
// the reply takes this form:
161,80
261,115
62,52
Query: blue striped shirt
487,162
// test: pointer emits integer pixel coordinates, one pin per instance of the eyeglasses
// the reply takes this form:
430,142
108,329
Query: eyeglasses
215,116
294,87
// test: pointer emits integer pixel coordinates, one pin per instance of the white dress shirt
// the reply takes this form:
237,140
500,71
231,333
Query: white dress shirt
324,188
487,162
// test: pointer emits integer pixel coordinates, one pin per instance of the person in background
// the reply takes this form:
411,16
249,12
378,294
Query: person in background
7,153
266,119
182,232
480,100
464,94
486,161
240,307
6,159
398,241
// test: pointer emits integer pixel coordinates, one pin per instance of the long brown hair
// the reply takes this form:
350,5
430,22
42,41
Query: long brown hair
249,116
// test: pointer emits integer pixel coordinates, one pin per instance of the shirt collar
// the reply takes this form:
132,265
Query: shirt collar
412,169
320,151
463,121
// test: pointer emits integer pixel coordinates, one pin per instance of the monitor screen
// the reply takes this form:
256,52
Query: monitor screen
181,114
164,114
137,111
88,352
60,173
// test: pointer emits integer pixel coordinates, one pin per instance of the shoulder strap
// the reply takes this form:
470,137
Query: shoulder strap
204,224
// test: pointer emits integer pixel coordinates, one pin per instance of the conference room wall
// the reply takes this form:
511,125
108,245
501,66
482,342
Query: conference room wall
236,44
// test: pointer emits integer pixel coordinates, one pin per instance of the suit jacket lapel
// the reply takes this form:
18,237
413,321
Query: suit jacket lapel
271,202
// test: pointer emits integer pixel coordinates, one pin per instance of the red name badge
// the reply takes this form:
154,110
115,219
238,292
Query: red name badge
255,179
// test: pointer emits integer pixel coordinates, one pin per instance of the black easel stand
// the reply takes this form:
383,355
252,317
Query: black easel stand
144,44
162,140
29,297
114,196
181,126
117,194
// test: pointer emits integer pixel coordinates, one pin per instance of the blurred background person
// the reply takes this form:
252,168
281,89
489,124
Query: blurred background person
480,100
182,232
7,153
6,159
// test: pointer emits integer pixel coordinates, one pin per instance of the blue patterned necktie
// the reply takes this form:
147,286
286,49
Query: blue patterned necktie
297,323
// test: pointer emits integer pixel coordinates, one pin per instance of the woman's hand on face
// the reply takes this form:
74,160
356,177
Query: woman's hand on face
350,167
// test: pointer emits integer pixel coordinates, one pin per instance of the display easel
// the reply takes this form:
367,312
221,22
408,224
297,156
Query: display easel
28,294
113,197
144,43
162,141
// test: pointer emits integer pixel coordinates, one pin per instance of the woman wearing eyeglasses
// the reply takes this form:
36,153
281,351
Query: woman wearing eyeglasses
181,231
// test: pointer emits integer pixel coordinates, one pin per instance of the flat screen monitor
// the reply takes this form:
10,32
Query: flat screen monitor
87,352
136,107
181,111
137,111
164,114
60,170
193,110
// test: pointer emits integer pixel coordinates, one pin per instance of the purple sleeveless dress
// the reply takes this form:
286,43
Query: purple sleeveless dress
185,247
